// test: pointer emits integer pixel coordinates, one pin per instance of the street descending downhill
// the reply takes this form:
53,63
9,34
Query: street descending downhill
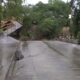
42,63
40,40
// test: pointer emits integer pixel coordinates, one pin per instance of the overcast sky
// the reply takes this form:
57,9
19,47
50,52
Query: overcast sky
36,1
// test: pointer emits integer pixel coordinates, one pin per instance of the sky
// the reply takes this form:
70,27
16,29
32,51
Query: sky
36,1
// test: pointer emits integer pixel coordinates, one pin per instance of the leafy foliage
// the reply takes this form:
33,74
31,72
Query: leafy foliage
13,8
78,36
27,23
76,24
0,12
49,18
48,28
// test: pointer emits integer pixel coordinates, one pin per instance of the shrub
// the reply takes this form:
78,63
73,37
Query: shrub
48,28
78,37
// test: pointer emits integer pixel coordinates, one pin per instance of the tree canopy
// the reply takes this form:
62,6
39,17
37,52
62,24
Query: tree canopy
49,18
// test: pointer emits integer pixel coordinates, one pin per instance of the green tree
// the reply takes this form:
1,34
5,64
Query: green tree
48,28
27,23
0,14
50,1
75,28
14,8
44,14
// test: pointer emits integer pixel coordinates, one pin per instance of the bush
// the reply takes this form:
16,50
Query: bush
78,37
48,28
27,23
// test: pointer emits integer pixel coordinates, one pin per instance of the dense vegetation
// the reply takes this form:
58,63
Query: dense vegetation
75,27
49,18
39,21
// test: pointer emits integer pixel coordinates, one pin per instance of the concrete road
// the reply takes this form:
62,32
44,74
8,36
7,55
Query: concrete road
65,49
42,63
7,49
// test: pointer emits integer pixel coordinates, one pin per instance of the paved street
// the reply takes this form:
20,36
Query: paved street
7,49
42,63
63,48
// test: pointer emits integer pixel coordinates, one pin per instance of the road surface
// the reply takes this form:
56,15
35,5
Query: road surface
42,63
7,49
